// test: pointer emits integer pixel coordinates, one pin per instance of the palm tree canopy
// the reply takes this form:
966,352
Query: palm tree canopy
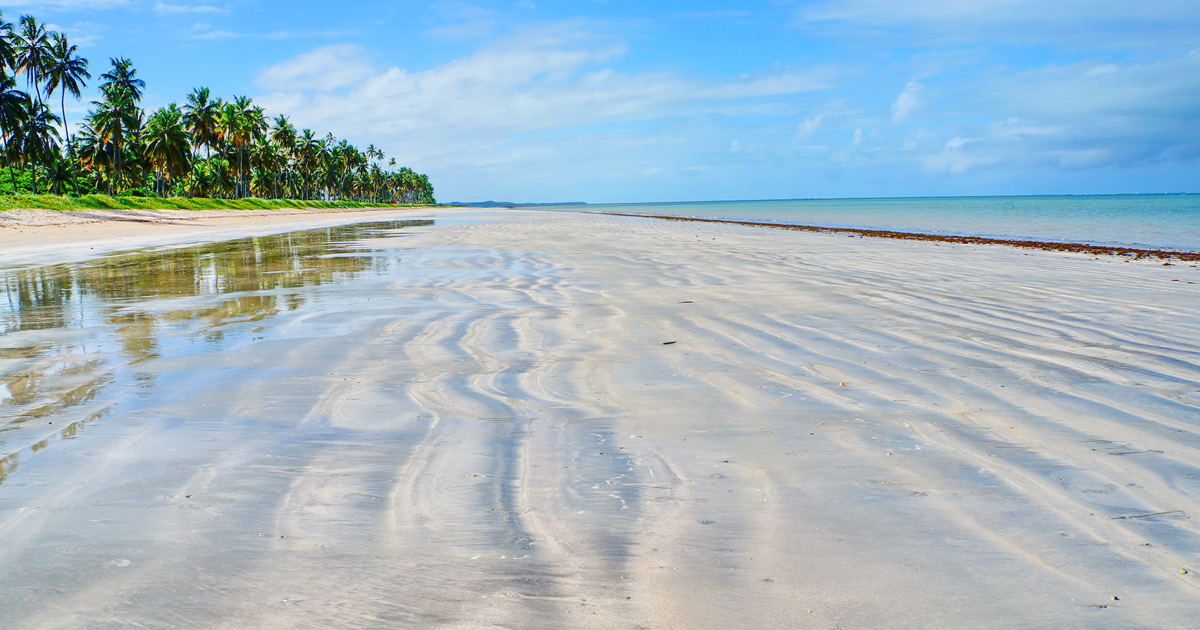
11,99
122,78
38,133
32,43
166,141
8,49
201,116
66,70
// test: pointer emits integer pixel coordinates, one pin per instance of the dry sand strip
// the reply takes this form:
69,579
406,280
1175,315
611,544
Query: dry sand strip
43,236
560,420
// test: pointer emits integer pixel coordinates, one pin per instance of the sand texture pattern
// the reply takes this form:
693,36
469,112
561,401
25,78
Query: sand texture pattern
527,419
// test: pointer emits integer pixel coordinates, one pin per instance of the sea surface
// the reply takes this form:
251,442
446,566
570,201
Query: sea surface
1155,221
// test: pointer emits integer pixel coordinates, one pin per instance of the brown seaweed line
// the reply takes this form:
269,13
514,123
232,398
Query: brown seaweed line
1079,248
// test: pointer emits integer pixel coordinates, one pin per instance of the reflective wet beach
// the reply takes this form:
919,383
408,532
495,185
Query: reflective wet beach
242,433
547,421
134,378
74,336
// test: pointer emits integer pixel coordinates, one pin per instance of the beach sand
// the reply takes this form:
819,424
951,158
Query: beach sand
49,236
531,419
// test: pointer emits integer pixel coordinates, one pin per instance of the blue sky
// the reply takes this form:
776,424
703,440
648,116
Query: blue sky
614,100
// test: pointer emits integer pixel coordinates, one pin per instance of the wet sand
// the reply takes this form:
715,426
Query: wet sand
48,236
554,420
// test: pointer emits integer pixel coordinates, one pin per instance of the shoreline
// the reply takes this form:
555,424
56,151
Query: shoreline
1136,253
37,225
47,236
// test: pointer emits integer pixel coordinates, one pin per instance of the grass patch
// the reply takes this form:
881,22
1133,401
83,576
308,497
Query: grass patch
105,202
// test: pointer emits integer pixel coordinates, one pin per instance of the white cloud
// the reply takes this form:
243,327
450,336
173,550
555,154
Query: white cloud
168,9
218,34
955,159
227,34
1076,116
545,79
547,99
1167,90
464,21
908,100
1094,23
808,127
63,4
82,34
326,68
551,99
888,11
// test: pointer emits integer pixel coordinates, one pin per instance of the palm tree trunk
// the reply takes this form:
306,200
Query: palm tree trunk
7,157
66,128
37,91
70,149
117,164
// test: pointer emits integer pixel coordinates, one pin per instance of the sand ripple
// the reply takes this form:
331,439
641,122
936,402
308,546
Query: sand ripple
557,421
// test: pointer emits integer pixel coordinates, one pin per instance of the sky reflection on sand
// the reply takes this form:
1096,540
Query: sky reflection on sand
72,334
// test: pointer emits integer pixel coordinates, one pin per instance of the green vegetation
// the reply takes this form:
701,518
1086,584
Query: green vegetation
99,202
154,161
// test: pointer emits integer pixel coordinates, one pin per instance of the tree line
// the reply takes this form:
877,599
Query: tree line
209,147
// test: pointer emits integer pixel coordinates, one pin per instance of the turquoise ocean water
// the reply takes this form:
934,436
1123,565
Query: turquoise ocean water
1156,221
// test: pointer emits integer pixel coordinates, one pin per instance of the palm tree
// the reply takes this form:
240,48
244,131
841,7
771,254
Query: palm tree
12,103
373,155
327,164
94,156
240,125
201,118
59,174
375,178
425,188
65,72
308,150
346,159
266,162
32,44
38,136
222,180
256,128
116,120
123,77
210,178
200,180
283,136
167,147
118,117
8,49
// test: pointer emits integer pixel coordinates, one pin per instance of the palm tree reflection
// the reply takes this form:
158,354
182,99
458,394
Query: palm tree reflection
69,333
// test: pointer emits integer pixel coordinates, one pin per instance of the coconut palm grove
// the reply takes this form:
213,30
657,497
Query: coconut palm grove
206,148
